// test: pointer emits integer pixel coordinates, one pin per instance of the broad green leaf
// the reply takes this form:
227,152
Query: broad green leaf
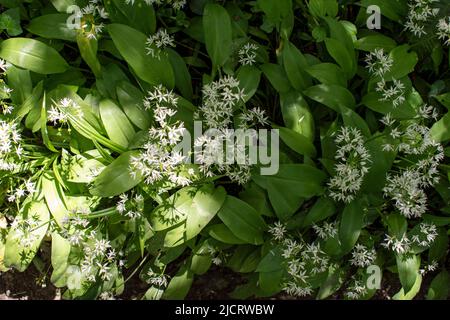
404,61
116,123
131,45
243,221
218,33
33,55
439,287
88,51
19,81
297,115
16,254
52,26
131,101
304,179
341,55
408,269
183,80
245,259
376,41
296,141
401,295
10,21
277,77
249,77
295,64
179,286
62,5
84,167
140,15
327,73
440,131
323,208
335,97
60,256
55,198
222,233
118,177
351,223
186,213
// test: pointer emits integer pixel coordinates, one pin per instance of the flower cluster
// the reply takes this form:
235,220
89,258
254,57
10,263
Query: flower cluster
419,14
221,149
160,161
95,256
303,262
407,187
393,92
378,62
91,16
423,236
247,54
443,28
353,160
59,111
362,256
10,145
133,207
356,290
157,42
326,231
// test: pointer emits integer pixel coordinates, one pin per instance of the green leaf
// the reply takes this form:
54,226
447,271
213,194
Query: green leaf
404,62
351,224
17,255
32,55
140,15
179,286
327,73
194,207
131,101
323,208
439,287
118,177
335,97
245,259
440,131
376,41
218,33
52,26
222,233
408,269
277,77
342,56
304,179
60,256
183,79
10,20
296,141
131,45
83,167
297,115
19,81
116,123
295,64
249,77
243,221
88,51
55,198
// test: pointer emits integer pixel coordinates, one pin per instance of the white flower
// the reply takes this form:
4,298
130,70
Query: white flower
444,30
247,54
158,41
399,246
278,230
419,14
4,65
379,63
393,92
328,230
362,256
353,160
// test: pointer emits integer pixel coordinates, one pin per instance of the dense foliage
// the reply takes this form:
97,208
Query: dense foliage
96,97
